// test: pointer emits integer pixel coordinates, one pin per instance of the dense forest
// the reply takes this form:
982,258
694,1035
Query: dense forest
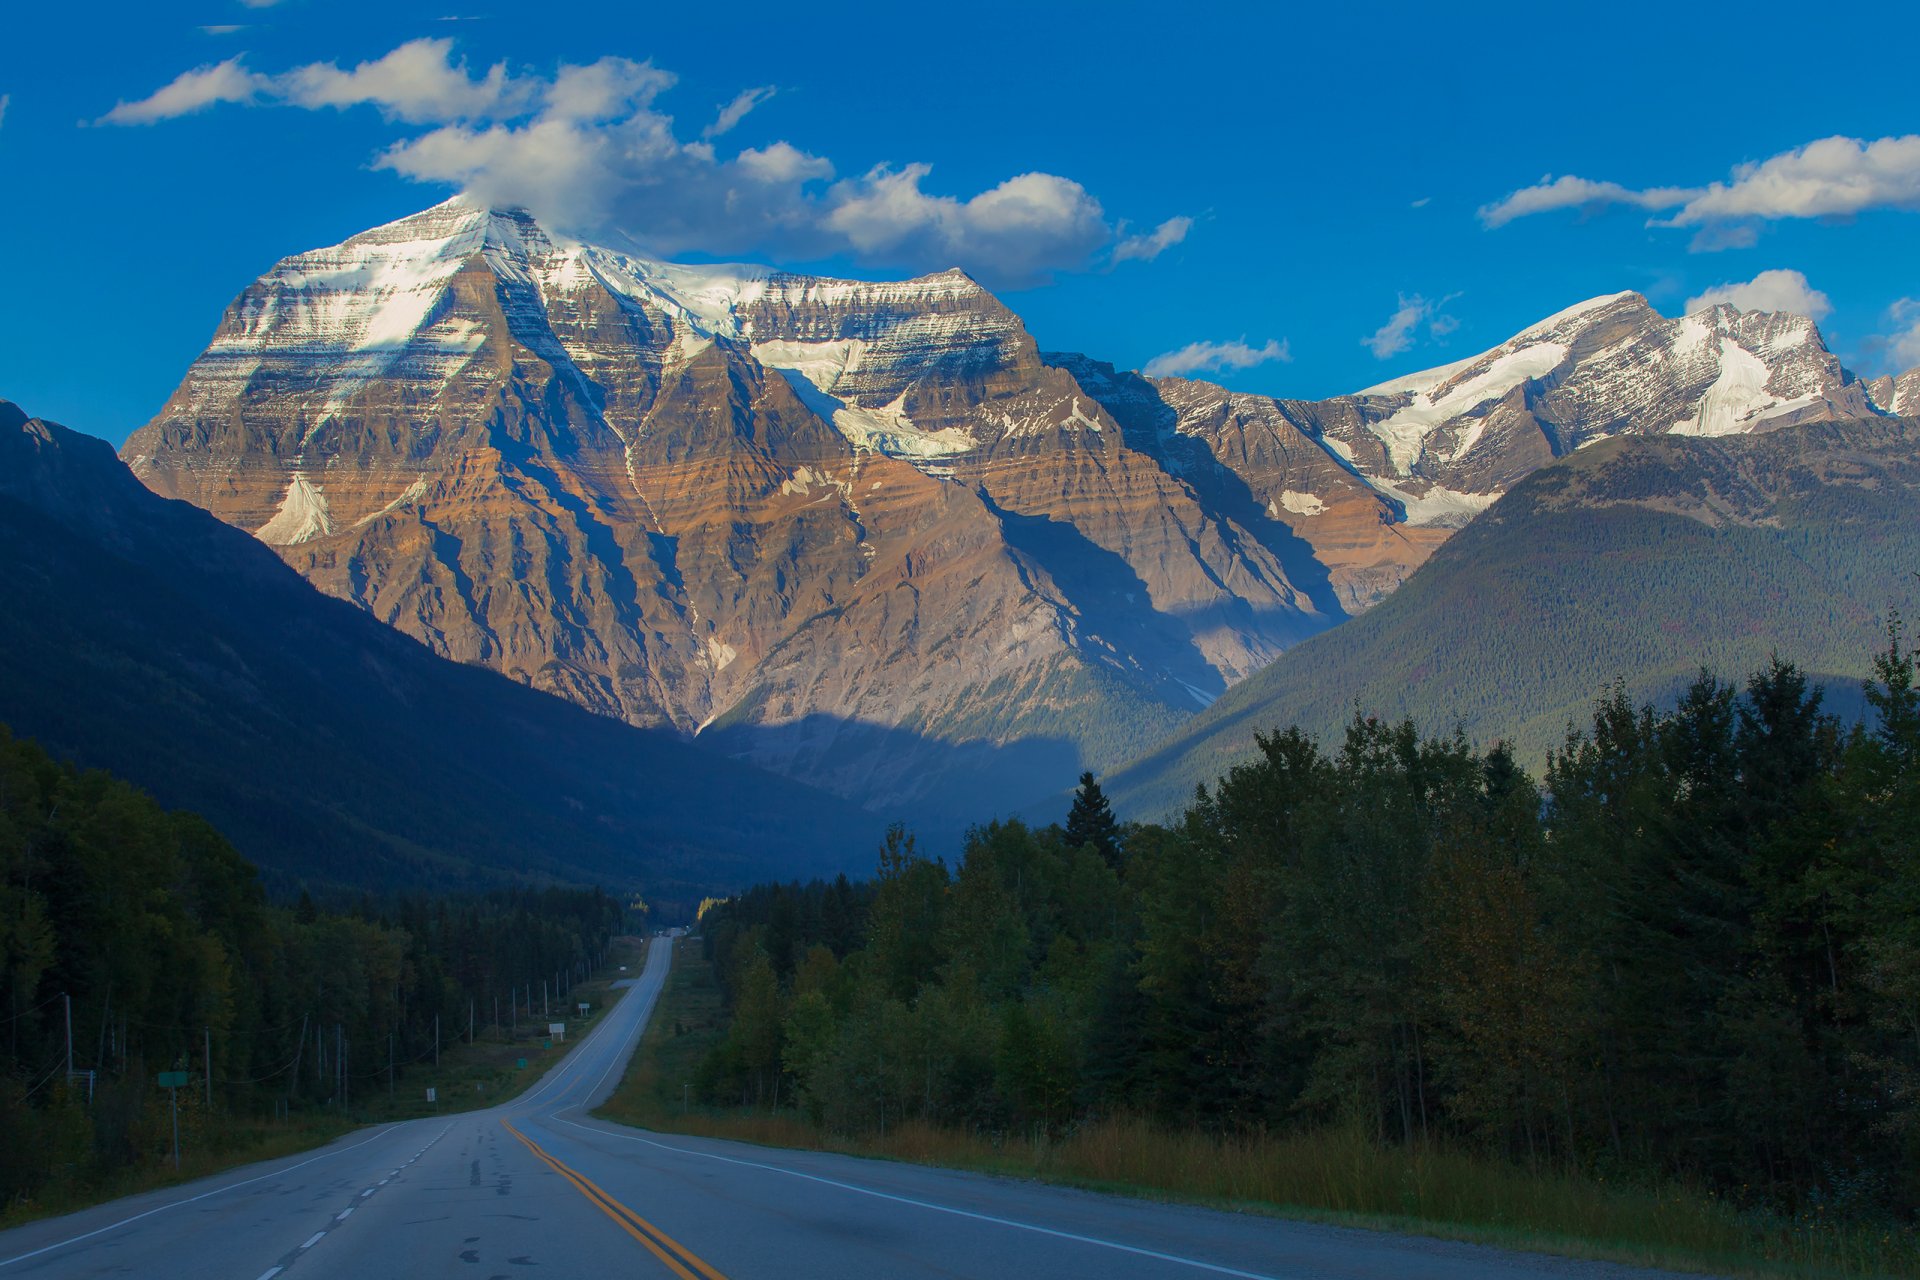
137,941
1690,951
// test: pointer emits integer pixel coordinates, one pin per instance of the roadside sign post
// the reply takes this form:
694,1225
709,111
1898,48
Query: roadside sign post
173,1082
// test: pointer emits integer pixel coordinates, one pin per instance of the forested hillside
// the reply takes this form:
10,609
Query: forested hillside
142,636
136,940
1691,951
1641,559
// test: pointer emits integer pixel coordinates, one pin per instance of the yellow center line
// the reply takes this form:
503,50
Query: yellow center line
680,1260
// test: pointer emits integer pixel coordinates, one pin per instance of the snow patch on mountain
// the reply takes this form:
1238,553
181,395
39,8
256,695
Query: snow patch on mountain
1405,432
815,369
303,515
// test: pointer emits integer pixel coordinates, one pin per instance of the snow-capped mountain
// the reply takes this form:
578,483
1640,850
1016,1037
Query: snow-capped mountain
866,533
1375,480
859,531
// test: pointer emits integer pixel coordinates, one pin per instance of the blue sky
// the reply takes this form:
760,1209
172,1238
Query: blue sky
1322,200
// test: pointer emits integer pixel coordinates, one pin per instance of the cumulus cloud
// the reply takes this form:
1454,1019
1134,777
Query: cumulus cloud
587,150
1829,178
736,111
1834,177
1413,311
1776,290
1150,245
1205,357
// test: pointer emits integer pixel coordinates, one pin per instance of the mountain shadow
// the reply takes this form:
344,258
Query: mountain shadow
145,637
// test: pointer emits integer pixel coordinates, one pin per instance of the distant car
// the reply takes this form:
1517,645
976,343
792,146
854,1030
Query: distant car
623,968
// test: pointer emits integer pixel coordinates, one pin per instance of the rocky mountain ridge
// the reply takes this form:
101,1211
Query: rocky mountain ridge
866,533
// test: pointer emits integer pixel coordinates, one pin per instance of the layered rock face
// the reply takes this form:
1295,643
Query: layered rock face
865,533
857,525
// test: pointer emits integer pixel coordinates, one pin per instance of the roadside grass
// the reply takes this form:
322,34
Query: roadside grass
1336,1176
467,1078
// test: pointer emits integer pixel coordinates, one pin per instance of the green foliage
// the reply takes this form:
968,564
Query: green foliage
1689,955
157,937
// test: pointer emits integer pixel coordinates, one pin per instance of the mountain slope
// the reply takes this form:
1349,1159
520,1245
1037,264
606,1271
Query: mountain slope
144,637
817,511
1373,482
1638,558
867,534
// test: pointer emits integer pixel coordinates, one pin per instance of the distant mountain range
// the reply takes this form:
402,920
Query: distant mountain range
1638,559
142,636
868,534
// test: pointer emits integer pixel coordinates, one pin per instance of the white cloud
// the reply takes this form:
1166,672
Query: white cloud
1775,290
259,4
1569,192
1834,177
1021,231
1201,357
6,100
418,82
1830,178
224,28
1147,247
736,111
1397,334
587,150
192,91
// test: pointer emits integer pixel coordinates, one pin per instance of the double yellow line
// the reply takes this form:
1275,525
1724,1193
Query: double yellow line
678,1258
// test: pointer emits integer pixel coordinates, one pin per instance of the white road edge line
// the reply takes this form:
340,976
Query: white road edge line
271,1272
580,1050
314,1239
175,1204
937,1208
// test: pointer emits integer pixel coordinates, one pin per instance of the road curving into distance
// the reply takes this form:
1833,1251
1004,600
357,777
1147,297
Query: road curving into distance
539,1187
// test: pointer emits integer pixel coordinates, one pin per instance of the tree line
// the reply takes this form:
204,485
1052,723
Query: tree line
1690,950
137,941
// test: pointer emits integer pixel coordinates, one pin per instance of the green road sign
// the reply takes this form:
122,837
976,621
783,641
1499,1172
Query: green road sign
173,1079
521,1063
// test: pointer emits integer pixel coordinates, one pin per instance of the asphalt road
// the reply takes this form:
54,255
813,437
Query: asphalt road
537,1187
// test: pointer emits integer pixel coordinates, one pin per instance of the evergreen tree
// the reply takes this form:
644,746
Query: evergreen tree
1091,822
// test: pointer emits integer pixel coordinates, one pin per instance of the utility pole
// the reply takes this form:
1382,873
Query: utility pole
389,1066
469,1019
207,1032
436,1041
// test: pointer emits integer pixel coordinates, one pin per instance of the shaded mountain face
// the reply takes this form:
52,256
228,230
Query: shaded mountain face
1640,559
145,637
866,533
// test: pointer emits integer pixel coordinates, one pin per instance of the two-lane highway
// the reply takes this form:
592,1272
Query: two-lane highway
538,1186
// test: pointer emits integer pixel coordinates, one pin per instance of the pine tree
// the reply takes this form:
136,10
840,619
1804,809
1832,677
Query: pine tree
1091,822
